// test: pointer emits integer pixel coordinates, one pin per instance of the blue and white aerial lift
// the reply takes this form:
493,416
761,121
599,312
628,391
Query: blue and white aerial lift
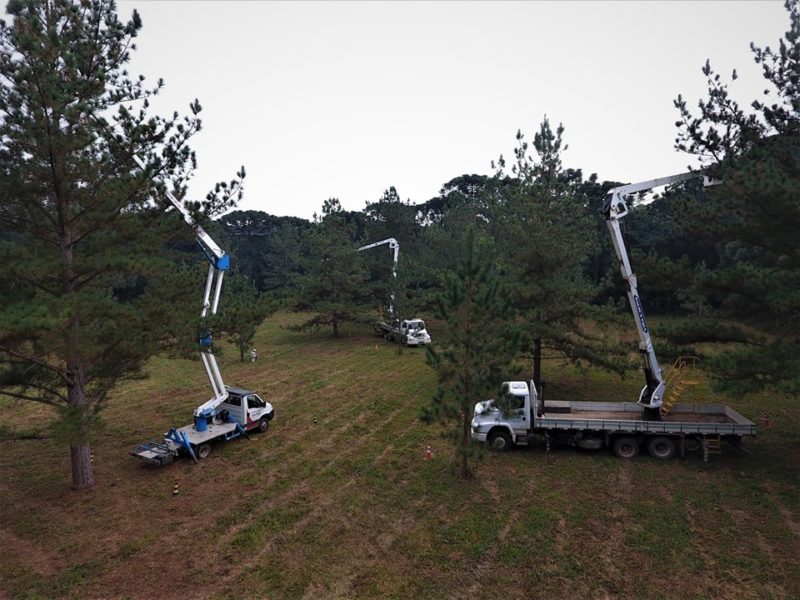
232,411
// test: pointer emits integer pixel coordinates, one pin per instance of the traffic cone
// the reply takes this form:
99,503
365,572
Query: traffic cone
428,453
91,457
315,420
175,490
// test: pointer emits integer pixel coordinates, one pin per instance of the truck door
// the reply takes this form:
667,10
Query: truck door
517,418
255,408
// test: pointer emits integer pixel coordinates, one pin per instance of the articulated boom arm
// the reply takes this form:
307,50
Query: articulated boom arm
614,209
219,262
395,247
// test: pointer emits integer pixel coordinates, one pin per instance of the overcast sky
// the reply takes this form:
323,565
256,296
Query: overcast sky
344,99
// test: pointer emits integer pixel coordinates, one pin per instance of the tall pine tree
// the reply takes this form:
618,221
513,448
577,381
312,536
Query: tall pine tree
546,236
333,285
751,220
475,343
86,285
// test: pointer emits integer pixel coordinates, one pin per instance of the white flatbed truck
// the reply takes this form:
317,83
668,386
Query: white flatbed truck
656,422
619,426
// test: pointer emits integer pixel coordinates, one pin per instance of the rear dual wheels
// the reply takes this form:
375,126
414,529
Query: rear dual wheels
662,448
626,447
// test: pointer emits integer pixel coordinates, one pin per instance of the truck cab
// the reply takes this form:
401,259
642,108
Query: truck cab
503,424
249,410
413,332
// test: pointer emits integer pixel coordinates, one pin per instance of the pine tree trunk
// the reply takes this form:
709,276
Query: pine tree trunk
79,451
466,438
80,458
537,365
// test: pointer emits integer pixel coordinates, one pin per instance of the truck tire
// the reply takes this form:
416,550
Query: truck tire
263,425
693,444
500,440
662,448
202,451
626,447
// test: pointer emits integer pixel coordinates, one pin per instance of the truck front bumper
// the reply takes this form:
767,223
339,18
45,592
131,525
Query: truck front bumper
478,436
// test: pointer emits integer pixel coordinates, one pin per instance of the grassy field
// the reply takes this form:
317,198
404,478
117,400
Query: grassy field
347,507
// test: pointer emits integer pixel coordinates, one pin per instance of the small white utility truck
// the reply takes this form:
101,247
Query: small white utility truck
241,412
410,332
232,411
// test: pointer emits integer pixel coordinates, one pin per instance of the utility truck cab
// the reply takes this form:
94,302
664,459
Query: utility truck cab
247,408
413,332
499,430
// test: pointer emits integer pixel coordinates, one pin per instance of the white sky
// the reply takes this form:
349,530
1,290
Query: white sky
344,99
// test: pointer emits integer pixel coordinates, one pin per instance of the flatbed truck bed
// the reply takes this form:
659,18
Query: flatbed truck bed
707,419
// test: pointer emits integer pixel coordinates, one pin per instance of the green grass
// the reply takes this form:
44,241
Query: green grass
348,508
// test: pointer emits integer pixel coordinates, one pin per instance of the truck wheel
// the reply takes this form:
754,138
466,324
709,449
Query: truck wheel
662,448
500,441
693,444
202,451
626,447
263,425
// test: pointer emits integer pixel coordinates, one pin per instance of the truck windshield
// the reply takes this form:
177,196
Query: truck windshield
416,325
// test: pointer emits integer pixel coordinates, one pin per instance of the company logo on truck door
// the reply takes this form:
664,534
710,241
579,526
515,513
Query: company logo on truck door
640,312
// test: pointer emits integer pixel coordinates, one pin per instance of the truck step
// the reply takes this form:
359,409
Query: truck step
711,445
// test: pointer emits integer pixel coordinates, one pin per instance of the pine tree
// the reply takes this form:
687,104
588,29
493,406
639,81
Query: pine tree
85,282
474,345
333,285
751,220
244,310
546,237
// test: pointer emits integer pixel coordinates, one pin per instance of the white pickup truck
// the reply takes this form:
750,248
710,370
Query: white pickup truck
410,332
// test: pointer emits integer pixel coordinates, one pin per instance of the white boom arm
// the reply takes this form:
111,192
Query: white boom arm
219,263
395,247
614,209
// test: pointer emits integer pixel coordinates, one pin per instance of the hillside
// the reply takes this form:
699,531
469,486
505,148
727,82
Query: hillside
336,500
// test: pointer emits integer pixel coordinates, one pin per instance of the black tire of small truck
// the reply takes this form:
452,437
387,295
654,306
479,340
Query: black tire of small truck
263,425
625,447
202,451
500,441
662,448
